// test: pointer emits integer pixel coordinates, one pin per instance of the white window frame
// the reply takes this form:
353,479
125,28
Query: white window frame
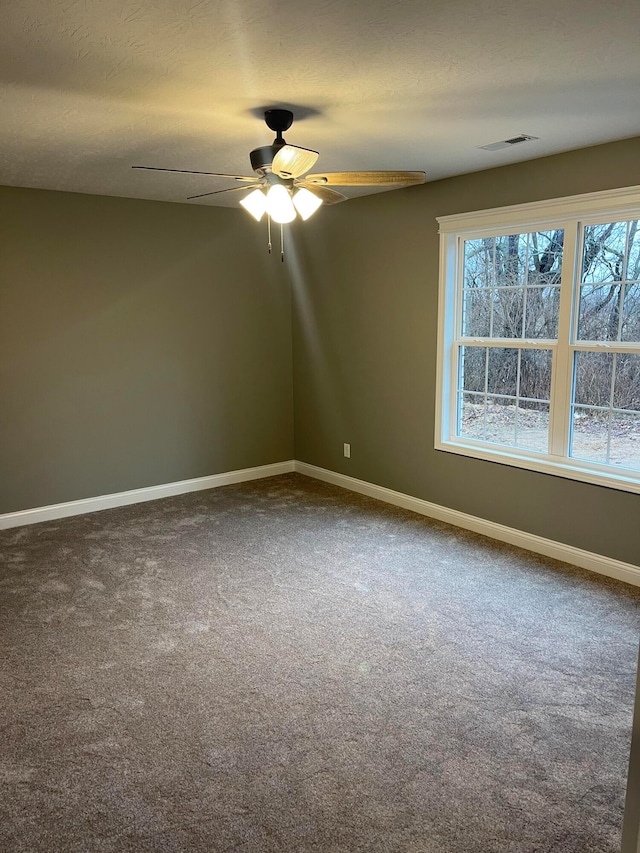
569,213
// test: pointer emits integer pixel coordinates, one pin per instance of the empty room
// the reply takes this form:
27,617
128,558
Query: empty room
320,427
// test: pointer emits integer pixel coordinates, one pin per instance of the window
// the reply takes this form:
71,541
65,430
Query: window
539,337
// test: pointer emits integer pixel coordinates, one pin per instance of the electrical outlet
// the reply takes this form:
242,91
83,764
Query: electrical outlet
347,451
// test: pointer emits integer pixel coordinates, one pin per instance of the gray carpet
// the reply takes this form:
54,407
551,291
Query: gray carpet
284,666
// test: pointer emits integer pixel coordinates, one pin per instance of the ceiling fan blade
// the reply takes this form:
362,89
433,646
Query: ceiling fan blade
324,193
291,161
190,172
230,190
367,179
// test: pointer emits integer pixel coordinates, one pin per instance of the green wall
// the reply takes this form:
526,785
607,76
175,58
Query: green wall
140,343
143,343
365,285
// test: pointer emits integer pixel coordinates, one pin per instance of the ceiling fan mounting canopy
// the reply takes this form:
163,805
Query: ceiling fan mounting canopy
278,120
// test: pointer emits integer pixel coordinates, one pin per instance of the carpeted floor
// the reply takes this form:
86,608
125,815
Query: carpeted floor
285,666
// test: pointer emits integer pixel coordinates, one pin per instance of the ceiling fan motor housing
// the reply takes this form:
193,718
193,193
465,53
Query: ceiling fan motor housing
262,158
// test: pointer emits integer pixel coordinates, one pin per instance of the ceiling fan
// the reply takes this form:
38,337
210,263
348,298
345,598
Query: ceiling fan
281,187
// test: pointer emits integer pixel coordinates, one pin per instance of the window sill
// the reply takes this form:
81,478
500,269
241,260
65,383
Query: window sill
545,464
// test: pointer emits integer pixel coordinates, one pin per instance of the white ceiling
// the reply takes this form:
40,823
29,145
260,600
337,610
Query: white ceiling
89,88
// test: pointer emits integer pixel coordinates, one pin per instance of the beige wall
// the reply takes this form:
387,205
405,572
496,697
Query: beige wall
365,283
140,343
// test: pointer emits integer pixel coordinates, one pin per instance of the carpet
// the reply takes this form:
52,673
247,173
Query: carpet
282,665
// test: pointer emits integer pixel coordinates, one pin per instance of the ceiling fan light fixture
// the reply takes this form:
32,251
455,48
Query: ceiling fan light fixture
306,203
255,204
279,205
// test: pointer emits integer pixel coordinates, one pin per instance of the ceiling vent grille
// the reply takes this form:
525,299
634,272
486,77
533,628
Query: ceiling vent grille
508,143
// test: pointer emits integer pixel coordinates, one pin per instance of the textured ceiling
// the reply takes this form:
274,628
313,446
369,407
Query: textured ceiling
89,88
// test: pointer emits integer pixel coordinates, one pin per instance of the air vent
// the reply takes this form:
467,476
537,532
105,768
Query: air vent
507,143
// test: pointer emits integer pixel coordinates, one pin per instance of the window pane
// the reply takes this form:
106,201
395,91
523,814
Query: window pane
624,447
472,416
478,263
604,252
590,434
626,388
533,426
607,438
477,313
535,374
508,313
502,376
501,422
545,257
599,313
511,260
541,312
631,313
633,263
473,360
593,378
609,301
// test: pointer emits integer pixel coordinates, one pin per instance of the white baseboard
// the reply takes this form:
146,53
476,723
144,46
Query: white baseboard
134,496
548,547
538,544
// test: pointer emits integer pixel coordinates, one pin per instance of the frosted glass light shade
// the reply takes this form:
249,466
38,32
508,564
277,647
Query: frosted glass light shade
255,203
306,203
279,205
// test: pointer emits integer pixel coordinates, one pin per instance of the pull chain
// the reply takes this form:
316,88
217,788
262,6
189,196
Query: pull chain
281,238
